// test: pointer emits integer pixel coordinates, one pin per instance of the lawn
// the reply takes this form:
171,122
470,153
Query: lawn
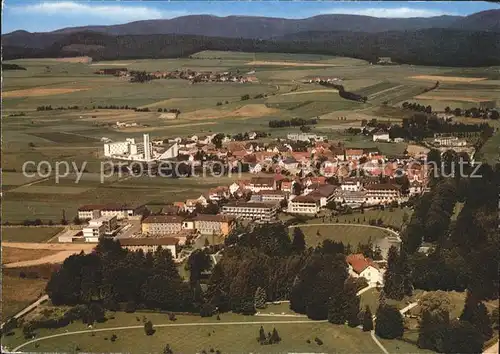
390,218
17,293
237,337
347,234
29,233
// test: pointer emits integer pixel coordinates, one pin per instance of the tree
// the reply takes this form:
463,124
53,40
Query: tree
367,320
198,261
76,220
260,298
298,242
168,350
148,328
275,338
245,97
462,337
217,140
296,188
476,314
262,336
389,323
435,316
393,281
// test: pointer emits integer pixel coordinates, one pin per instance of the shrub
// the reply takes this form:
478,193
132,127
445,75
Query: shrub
114,337
318,341
148,328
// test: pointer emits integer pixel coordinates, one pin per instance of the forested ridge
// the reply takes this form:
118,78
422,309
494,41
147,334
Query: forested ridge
444,47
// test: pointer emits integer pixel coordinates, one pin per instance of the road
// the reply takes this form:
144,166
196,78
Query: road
164,325
76,247
59,257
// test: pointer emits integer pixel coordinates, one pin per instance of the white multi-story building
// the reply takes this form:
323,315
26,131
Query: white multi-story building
382,193
99,227
258,184
92,211
150,244
162,225
130,149
351,185
264,212
451,141
304,204
305,137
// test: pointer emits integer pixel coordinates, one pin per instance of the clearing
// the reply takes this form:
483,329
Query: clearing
447,78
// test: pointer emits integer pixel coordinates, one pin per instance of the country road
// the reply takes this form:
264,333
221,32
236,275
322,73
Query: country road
165,325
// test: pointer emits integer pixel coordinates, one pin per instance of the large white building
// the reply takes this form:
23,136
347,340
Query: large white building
97,228
305,204
263,212
133,150
383,193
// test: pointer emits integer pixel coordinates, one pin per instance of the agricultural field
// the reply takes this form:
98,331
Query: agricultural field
280,93
29,233
14,300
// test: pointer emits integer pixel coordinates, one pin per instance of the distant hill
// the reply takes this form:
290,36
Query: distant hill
441,47
481,21
266,27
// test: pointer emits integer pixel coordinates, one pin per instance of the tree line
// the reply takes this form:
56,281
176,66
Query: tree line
343,93
439,47
294,122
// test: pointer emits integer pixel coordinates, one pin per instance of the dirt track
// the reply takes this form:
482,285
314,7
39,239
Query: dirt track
447,78
59,257
61,252
288,63
309,91
451,98
75,247
39,91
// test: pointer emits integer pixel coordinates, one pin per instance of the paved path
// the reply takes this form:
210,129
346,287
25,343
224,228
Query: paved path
163,325
394,233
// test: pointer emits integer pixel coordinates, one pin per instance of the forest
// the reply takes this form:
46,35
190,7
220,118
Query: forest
440,47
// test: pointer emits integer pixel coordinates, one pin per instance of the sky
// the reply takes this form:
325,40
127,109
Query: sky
43,16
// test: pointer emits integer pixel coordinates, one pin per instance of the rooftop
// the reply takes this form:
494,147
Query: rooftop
149,241
164,219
